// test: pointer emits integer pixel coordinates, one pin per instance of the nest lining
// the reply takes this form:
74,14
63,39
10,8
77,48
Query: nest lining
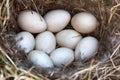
105,65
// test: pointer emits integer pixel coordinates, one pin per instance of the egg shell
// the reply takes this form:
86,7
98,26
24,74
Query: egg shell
57,19
84,22
46,42
40,58
68,38
31,21
62,56
86,48
25,41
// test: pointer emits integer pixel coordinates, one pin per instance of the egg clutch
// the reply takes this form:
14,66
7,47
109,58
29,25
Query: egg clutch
55,45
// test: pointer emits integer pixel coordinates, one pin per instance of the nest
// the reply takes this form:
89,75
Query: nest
104,66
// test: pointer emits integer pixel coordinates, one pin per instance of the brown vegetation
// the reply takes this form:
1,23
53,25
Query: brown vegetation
104,66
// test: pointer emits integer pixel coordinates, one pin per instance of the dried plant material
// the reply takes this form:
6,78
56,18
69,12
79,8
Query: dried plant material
105,65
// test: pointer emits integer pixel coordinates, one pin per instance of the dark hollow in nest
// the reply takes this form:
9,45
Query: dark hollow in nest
105,65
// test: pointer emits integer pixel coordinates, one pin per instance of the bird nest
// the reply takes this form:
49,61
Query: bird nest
14,64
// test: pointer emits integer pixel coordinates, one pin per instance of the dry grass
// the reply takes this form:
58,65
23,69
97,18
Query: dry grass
104,66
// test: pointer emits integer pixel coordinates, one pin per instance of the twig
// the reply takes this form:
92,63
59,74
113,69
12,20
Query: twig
115,51
111,72
5,54
7,9
74,76
113,10
113,55
29,73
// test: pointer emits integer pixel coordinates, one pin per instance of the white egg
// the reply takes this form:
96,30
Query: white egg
68,38
86,48
57,20
31,21
46,42
84,22
62,56
40,58
25,41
